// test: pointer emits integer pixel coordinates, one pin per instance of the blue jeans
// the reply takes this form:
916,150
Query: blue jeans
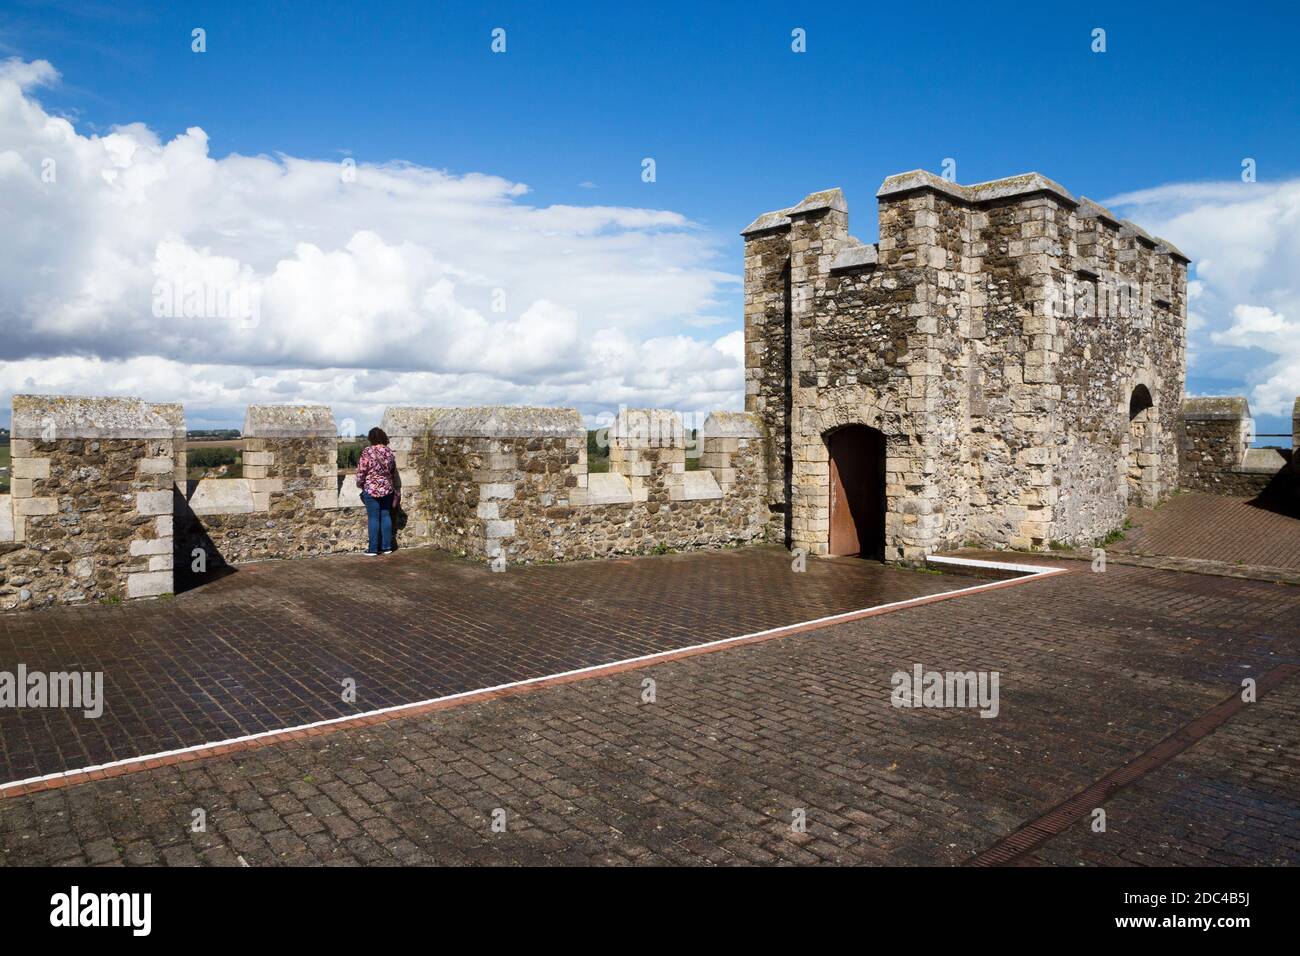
379,519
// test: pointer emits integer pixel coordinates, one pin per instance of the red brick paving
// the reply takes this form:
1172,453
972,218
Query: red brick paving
1230,800
1215,528
267,647
1096,669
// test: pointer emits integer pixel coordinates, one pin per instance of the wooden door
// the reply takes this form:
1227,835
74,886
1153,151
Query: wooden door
857,492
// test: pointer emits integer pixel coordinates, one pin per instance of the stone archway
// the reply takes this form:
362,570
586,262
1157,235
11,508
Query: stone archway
1142,451
812,466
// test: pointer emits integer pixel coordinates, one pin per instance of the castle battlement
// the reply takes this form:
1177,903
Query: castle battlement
101,508
1003,367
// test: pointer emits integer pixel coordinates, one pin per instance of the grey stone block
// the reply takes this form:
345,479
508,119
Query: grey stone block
57,417
289,421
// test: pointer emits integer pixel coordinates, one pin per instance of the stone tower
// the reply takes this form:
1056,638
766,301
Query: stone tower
1004,367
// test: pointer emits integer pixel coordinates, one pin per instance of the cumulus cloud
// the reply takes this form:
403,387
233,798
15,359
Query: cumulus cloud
1244,302
136,265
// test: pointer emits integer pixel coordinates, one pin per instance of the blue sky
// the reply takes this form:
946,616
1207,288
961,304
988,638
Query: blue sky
736,122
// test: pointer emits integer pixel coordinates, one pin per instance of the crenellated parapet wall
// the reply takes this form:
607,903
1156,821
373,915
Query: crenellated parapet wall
1216,453
290,501
513,484
101,509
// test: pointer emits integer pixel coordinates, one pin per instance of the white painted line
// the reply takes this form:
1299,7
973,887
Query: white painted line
1032,571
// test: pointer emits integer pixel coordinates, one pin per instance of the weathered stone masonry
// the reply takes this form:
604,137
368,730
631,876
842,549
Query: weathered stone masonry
91,501
512,483
289,503
99,488
1019,353
1216,454
981,337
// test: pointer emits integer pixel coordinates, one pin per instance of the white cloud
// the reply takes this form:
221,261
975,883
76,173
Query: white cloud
1259,327
1244,239
150,267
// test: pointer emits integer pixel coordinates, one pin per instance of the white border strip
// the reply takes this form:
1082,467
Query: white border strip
1030,571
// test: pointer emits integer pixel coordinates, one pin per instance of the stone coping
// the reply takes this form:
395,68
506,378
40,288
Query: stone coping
289,421
1131,230
648,427
488,421
1215,408
1025,184
733,425
856,257
1090,209
1168,248
171,412
832,198
777,219
1262,461
608,488
410,421
57,417
223,496
696,486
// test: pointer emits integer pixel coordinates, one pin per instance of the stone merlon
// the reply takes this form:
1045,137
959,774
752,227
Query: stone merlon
777,219
1215,408
1025,184
54,417
490,421
289,421
1012,187
733,425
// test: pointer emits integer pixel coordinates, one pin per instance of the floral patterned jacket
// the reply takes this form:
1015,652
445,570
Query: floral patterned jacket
376,471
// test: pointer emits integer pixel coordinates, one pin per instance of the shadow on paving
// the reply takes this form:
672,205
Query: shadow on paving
1262,532
271,646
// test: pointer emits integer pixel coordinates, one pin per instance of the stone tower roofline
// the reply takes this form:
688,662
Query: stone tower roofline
1011,187
1025,184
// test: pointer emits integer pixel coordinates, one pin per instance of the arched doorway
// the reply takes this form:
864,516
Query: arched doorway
857,492
1143,448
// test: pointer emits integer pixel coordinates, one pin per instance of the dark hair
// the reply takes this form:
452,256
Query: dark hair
377,436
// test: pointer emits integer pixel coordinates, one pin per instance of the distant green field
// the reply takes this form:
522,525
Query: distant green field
4,463
210,454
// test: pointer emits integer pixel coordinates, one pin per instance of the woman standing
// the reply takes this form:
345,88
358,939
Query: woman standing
377,479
